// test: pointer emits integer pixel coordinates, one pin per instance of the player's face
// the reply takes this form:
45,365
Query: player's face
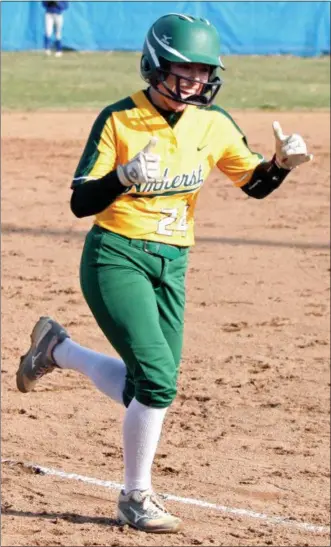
195,71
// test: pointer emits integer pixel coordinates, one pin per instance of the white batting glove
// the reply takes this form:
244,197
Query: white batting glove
291,150
144,167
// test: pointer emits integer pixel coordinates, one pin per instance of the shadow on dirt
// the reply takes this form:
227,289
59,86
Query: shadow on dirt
68,517
80,234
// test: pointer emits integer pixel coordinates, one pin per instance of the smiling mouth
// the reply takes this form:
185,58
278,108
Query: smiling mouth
186,93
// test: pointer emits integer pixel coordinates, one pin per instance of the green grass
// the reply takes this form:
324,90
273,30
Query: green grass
33,81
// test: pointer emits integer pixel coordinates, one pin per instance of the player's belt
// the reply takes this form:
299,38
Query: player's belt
151,247
158,249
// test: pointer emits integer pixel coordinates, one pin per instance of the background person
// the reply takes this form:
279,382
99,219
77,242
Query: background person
54,23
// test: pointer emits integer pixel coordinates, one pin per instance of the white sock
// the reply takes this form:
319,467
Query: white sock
107,373
141,433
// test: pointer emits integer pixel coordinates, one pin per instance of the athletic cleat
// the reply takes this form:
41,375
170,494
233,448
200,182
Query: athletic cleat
39,360
144,511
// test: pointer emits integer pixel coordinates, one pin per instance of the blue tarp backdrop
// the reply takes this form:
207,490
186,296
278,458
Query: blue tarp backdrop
246,28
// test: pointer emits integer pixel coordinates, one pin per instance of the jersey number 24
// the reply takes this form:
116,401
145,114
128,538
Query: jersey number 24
172,222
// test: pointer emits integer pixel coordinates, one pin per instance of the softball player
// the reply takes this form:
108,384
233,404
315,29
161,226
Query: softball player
140,174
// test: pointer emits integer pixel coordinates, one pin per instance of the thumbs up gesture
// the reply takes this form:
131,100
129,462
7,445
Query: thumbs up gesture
144,167
291,150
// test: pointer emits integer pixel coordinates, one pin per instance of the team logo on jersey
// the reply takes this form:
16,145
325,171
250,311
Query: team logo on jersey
180,183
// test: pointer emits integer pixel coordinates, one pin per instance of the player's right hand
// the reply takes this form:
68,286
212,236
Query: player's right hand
144,167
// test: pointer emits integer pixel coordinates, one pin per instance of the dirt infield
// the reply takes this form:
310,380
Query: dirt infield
249,429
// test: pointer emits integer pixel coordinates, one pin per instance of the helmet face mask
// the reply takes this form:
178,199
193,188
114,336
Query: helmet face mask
205,97
177,38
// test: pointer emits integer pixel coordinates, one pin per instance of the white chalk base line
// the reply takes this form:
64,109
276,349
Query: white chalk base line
285,521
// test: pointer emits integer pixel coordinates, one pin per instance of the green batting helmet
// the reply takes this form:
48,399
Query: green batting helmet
178,38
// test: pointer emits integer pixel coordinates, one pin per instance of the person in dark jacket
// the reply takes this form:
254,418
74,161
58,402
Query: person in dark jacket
54,22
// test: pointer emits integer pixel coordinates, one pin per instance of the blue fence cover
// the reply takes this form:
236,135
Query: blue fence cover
246,28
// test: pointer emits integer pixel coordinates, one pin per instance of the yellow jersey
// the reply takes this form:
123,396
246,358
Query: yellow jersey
203,137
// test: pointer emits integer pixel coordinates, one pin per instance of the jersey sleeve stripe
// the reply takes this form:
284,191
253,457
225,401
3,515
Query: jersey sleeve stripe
91,153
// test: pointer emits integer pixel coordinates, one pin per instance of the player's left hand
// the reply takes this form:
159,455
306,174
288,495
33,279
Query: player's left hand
291,150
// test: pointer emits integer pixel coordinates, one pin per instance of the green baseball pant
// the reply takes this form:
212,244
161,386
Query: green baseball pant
136,292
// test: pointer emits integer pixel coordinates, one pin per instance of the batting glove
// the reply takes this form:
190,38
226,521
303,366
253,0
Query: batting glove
291,150
144,167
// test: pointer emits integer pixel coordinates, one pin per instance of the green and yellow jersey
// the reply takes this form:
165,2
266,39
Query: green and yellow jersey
204,137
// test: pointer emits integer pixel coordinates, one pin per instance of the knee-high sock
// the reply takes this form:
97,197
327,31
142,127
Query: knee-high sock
107,373
141,433
47,42
58,45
